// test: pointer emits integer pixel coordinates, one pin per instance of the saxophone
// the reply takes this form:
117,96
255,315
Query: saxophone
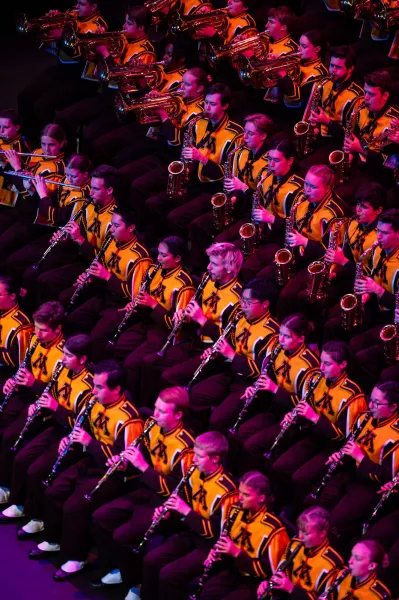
250,233
178,170
320,270
304,131
222,207
351,304
339,159
284,258
389,334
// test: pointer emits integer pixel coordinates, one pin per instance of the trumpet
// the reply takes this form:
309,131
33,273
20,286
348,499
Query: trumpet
63,232
389,334
154,525
29,176
144,287
217,19
45,24
78,424
120,461
259,43
125,75
29,353
287,424
225,333
179,324
268,593
86,44
264,73
383,499
172,103
37,408
352,437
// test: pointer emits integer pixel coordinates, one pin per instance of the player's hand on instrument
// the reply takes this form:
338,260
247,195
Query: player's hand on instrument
319,116
266,384
353,450
98,270
206,354
25,377
192,153
145,299
177,504
48,401
80,436
127,308
225,545
352,145
233,183
9,385
287,419
28,185
367,285
63,444
113,460
261,215
31,409
387,487
262,588
135,457
281,582
248,392
296,239
306,411
81,280
178,315
224,348
157,513
73,230
41,187
211,558
336,257
13,159
195,312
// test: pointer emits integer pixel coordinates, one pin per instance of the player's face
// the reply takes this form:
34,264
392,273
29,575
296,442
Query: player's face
315,188
7,300
50,146
119,230
45,333
278,164
204,461
288,339
253,138
71,361
329,367
216,268
165,414
360,562
8,131
311,535
102,392
249,498
379,406
76,177
365,213
166,258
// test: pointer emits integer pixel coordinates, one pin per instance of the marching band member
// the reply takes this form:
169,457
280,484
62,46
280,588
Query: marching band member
277,28
15,326
114,424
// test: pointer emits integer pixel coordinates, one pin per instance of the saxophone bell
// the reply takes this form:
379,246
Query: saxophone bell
248,238
283,259
318,272
219,210
177,177
337,162
390,338
302,131
349,311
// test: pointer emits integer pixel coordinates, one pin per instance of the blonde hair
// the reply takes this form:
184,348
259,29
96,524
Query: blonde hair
231,256
177,396
317,515
213,443
324,173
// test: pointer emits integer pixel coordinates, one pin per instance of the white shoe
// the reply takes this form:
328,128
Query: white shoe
47,547
112,578
4,495
14,512
73,566
34,526
134,594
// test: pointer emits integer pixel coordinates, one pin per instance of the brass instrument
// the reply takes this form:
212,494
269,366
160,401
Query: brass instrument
352,437
334,585
45,24
250,233
287,424
218,19
284,258
268,593
126,76
30,351
156,7
389,335
264,73
29,176
259,43
222,221
179,170
86,43
304,130
383,499
154,525
172,103
121,459
351,304
220,210
320,270
37,408
247,235
339,159
225,333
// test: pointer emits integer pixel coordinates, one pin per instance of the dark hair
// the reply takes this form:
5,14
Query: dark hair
81,162
10,283
377,552
282,14
339,351
109,175
286,146
141,15
258,482
261,290
176,246
200,75
299,324
127,215
263,123
315,514
222,89
51,314
79,345
390,217
178,396
116,374
180,49
54,131
345,52
373,193
381,79
390,389
316,38
11,114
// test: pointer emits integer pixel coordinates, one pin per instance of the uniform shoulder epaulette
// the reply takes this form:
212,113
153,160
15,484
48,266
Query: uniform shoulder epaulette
226,482
233,126
140,248
272,520
310,357
61,344
393,111
297,180
350,385
130,409
332,556
184,277
395,425
237,288
22,318
354,87
271,323
335,207
186,438
88,378
291,44
379,588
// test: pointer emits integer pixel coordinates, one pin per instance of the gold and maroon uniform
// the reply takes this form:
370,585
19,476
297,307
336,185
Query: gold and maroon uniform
61,206
310,72
173,290
369,589
313,221
369,127
283,46
249,167
44,360
72,391
237,25
280,193
174,129
385,272
218,302
96,222
84,25
127,264
15,333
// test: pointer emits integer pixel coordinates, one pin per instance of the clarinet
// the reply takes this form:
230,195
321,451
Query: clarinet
22,366
178,325
144,287
334,465
120,461
287,424
37,408
280,569
86,274
63,232
78,423
266,366
335,584
154,525
213,554
225,333
383,499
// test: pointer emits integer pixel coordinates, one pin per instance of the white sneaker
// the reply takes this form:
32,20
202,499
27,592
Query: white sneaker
14,512
134,594
47,547
73,566
34,526
4,495
112,578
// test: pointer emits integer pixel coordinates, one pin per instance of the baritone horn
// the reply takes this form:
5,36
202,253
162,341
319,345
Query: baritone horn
86,44
171,103
191,24
127,77
264,73
259,43
45,24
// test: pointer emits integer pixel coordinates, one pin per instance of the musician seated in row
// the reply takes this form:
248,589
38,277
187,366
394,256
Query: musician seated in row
113,424
156,304
169,568
121,524
238,22
309,559
15,327
69,394
277,28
